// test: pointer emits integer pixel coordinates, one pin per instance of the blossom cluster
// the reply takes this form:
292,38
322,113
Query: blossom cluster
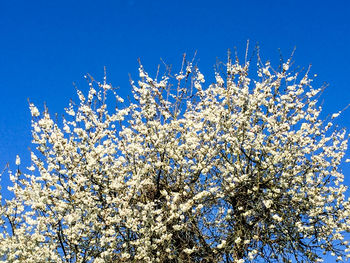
241,170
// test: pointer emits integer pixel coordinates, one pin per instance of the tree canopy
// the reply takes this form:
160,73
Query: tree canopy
240,170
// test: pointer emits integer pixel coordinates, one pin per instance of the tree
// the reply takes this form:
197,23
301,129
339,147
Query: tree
244,170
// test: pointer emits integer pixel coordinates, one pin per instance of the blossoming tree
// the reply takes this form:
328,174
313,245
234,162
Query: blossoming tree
241,170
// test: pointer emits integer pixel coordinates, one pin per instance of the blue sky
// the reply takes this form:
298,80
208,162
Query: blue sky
47,45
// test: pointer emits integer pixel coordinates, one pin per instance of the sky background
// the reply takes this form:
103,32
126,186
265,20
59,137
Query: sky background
47,45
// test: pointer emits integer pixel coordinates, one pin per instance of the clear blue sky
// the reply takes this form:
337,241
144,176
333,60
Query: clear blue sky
47,45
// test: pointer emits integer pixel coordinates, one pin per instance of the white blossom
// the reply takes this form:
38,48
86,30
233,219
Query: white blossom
34,110
239,170
18,160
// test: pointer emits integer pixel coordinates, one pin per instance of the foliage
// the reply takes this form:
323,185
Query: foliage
243,170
